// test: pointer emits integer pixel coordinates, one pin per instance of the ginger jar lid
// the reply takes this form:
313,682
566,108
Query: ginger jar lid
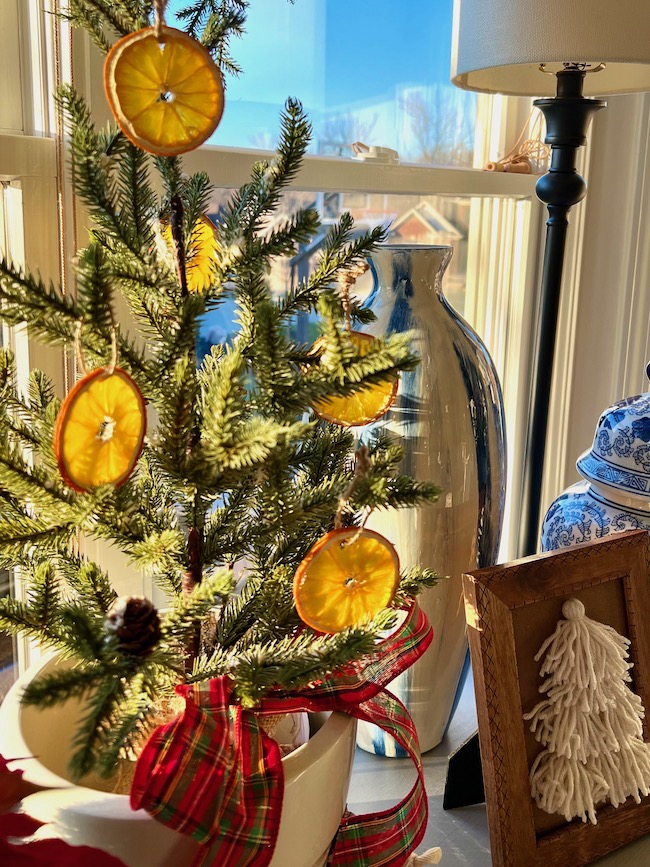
620,454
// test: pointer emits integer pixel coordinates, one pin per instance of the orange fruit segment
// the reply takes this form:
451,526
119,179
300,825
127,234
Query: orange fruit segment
99,431
167,95
203,250
363,406
346,579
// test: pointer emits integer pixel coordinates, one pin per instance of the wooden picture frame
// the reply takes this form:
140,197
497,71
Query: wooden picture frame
510,611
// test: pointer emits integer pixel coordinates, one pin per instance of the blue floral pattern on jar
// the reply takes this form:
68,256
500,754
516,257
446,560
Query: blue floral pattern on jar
620,455
581,514
603,444
642,457
624,442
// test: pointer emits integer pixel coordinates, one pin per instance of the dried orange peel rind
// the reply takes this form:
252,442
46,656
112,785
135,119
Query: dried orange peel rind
202,253
346,579
363,406
166,93
100,429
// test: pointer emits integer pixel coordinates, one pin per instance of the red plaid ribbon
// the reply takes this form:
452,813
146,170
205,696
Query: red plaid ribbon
213,774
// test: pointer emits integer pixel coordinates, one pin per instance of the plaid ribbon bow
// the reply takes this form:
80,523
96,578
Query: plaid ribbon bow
215,775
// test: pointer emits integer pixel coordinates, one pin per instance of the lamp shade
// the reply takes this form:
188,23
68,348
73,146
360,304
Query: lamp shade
499,44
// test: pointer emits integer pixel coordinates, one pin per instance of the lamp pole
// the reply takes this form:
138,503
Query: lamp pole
567,115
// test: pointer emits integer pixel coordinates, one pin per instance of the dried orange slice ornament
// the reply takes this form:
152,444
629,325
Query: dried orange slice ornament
164,89
363,406
203,250
100,430
346,579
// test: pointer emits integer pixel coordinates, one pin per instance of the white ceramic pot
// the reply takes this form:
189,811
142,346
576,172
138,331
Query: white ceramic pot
316,784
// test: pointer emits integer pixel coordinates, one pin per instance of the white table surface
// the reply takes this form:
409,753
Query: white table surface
378,783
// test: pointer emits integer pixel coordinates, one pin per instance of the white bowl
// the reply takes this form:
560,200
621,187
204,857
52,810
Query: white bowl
316,784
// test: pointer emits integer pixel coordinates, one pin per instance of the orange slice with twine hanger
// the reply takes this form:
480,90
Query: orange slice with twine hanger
371,401
164,89
363,406
100,429
203,250
346,579
350,574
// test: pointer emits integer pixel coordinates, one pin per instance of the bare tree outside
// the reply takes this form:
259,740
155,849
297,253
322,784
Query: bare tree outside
441,126
341,130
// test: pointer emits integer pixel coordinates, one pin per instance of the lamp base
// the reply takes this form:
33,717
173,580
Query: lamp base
567,120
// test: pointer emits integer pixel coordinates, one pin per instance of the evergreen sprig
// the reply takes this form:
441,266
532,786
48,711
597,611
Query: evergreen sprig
237,478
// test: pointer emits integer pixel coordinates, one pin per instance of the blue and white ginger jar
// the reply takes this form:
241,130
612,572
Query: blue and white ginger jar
615,494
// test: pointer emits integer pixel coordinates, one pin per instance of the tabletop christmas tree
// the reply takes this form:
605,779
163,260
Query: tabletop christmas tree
589,723
236,469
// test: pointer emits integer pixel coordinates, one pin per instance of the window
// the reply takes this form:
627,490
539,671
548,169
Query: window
29,213
374,74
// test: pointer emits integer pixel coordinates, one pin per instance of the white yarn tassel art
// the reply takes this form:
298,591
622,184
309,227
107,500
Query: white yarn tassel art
589,723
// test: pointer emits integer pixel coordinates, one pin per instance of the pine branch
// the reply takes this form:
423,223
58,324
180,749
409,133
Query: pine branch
17,618
81,631
254,201
136,197
160,552
342,251
52,317
95,287
215,22
58,686
90,584
128,731
43,597
93,172
174,438
19,536
170,170
152,296
98,13
103,705
196,196
228,532
238,614
375,491
36,488
81,17
189,608
293,662
284,241
413,582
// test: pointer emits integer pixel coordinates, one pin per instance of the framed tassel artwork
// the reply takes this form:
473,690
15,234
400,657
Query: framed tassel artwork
560,647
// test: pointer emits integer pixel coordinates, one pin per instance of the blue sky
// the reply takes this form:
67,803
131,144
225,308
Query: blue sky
332,55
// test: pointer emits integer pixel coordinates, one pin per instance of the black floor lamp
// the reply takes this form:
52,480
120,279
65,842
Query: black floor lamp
564,51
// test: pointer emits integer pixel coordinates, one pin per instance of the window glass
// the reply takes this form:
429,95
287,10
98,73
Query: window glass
372,72
407,219
8,667
10,246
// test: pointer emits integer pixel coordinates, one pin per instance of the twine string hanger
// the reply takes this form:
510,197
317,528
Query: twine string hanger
159,18
362,466
346,281
81,357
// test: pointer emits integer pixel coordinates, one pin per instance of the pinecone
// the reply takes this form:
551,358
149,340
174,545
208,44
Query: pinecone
135,622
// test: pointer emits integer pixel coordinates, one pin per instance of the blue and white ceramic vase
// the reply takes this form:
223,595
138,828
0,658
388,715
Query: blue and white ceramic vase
449,418
615,493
